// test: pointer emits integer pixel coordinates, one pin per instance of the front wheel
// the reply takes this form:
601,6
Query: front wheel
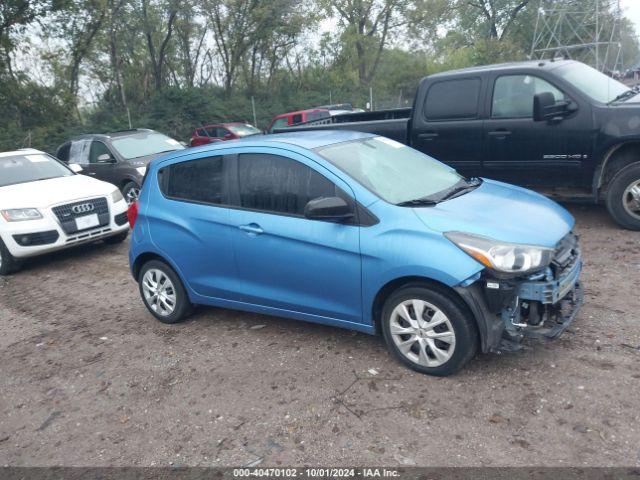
623,197
130,192
428,330
163,293
8,263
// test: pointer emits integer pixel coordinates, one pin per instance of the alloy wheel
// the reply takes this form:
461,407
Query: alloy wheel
159,292
631,199
422,332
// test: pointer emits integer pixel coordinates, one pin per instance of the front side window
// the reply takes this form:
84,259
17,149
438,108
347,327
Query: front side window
98,149
30,167
276,184
513,95
142,144
317,115
394,172
453,100
200,180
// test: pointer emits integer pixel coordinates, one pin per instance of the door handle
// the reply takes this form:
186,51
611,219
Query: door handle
500,134
428,136
252,229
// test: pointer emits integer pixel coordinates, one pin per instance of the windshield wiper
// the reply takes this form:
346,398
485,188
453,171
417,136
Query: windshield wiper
624,96
456,191
418,202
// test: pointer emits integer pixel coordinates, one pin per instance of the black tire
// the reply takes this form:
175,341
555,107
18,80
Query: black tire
617,196
182,305
130,192
115,239
460,321
8,263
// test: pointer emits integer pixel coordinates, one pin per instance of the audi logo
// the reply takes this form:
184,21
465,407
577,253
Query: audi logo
84,208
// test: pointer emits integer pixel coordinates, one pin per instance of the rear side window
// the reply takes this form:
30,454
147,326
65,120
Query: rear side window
79,152
453,100
275,184
297,118
280,123
200,180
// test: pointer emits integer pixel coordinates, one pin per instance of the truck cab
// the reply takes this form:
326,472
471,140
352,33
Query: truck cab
560,127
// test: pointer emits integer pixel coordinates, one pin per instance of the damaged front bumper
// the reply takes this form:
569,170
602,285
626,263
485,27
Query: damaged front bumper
539,306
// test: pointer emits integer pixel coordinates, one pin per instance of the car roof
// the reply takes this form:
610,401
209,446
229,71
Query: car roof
308,140
305,139
21,151
222,124
538,64
306,110
120,133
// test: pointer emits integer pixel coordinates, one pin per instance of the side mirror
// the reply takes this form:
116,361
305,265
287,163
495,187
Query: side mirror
105,158
328,208
75,167
228,136
546,108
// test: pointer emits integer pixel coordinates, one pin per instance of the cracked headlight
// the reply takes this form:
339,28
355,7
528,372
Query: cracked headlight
502,256
21,214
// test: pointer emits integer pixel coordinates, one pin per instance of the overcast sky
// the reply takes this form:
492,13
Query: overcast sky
632,11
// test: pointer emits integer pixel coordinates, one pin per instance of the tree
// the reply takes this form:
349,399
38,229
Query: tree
158,35
367,25
495,17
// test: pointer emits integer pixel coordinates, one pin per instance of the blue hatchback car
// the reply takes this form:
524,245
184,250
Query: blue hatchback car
356,231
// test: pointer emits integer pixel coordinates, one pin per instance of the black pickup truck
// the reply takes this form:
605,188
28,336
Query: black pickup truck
560,127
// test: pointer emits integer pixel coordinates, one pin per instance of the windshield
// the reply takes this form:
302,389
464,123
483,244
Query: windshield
143,144
591,82
391,170
244,130
25,168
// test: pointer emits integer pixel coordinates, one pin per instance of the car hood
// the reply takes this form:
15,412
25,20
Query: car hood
54,191
147,159
503,212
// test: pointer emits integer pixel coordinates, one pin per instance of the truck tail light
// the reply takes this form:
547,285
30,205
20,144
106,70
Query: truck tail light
132,214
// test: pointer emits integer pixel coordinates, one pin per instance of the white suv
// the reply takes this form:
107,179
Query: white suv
46,206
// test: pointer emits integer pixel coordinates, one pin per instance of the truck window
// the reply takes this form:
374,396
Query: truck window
513,95
453,100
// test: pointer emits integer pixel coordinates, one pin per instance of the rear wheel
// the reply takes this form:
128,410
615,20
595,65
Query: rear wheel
8,263
163,293
623,197
130,192
428,330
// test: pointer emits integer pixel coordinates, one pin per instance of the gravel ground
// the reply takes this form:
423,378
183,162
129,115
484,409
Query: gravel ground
88,377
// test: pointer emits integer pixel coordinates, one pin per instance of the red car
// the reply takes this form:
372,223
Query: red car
285,120
221,132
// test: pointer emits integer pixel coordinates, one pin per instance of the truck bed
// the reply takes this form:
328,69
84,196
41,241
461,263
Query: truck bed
389,123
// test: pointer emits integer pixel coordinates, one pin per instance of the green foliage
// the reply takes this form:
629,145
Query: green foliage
172,65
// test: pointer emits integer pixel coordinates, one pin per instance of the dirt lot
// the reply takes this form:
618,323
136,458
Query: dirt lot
88,377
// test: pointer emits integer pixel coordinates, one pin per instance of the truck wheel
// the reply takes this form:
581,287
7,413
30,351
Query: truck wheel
428,330
623,197
163,293
8,263
130,192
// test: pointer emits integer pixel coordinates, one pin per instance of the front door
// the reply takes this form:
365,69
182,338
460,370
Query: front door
284,260
529,153
450,130
102,163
